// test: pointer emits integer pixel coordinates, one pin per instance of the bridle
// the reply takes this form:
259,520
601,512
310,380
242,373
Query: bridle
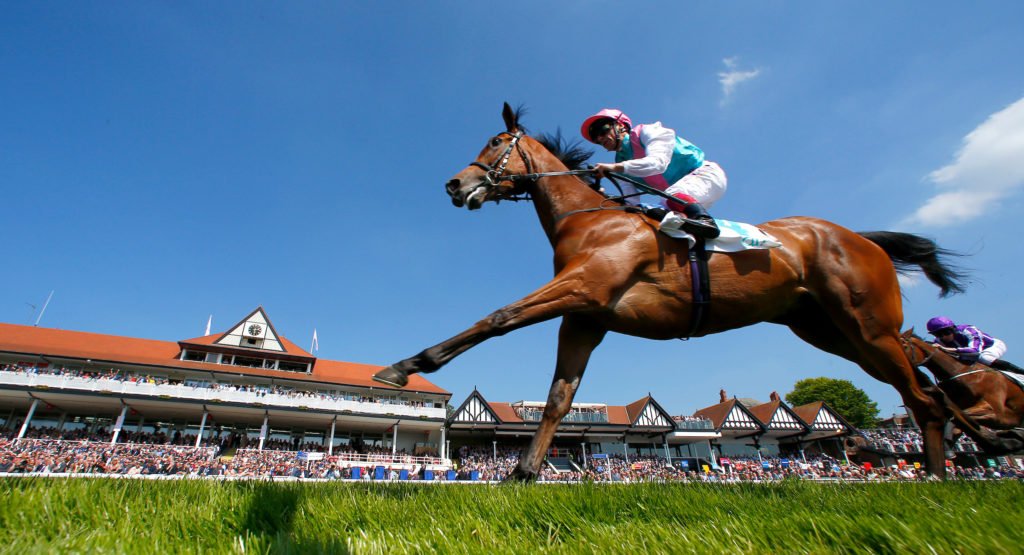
495,176
908,350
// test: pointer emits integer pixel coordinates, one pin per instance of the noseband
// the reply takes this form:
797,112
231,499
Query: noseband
908,349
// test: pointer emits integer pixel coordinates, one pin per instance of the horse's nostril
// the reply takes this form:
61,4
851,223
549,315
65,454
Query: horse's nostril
452,187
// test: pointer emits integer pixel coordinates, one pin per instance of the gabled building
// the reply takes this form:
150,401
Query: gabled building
642,427
248,380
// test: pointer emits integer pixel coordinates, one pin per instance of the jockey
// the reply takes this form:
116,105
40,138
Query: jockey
664,161
969,344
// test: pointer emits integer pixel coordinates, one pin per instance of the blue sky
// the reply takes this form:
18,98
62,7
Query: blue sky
162,162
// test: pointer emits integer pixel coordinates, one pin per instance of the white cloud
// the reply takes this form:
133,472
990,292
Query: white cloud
988,168
732,78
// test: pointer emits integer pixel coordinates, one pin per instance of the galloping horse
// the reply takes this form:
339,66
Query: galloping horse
614,271
986,395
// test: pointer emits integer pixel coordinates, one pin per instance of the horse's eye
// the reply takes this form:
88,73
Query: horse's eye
495,142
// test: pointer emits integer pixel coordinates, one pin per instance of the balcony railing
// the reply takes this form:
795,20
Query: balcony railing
695,425
531,415
179,391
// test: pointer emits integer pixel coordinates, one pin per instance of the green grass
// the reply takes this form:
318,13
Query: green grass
138,517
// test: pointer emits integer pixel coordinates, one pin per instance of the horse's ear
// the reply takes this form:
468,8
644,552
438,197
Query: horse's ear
510,117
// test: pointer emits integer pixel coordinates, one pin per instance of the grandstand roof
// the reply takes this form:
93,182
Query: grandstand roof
731,416
34,342
778,417
477,412
822,420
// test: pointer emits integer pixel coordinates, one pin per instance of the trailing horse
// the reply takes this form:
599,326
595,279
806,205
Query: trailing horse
988,398
614,271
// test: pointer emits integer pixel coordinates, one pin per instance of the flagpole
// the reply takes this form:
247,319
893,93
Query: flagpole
47,303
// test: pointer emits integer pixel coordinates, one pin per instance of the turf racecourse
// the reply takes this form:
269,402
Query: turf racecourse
40,515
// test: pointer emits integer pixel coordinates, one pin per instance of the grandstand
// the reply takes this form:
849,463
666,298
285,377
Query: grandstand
248,402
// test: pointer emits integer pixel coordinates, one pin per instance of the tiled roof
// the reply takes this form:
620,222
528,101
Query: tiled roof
113,349
505,412
809,412
633,409
290,348
765,411
619,416
717,413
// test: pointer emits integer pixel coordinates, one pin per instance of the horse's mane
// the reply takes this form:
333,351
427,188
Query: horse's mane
572,153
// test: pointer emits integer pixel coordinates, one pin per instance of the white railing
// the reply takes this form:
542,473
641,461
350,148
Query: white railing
358,459
104,385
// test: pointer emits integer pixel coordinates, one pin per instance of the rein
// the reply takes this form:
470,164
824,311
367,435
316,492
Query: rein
909,350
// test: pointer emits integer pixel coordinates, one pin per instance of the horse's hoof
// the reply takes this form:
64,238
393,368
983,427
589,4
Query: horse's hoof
392,376
519,476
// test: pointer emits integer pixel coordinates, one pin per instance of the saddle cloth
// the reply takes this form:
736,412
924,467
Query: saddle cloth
735,236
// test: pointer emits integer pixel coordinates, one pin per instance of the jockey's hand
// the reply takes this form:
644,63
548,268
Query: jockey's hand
949,350
601,170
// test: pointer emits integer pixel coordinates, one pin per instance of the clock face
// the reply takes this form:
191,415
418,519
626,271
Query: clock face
255,329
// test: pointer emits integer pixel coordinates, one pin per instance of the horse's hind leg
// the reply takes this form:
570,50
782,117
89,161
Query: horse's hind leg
577,339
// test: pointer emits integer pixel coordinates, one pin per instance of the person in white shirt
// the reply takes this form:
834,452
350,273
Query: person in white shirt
663,160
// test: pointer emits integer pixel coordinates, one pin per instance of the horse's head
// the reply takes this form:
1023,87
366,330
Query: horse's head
493,175
918,350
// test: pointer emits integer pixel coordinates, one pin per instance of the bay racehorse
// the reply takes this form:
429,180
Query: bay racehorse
614,271
987,396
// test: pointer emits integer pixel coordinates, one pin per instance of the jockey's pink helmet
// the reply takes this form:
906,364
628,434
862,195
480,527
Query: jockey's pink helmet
607,113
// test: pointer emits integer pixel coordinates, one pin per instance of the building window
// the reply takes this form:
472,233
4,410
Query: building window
292,366
194,356
249,362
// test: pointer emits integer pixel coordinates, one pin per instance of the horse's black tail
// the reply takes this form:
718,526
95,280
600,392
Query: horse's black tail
912,252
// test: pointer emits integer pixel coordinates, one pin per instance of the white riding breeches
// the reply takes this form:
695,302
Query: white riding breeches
707,184
993,353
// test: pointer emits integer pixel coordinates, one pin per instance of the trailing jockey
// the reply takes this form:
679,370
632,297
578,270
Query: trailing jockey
665,161
969,344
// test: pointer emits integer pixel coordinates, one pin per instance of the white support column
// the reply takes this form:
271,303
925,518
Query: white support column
394,440
711,454
668,457
443,450
142,422
263,430
202,427
583,449
330,442
625,448
28,418
119,424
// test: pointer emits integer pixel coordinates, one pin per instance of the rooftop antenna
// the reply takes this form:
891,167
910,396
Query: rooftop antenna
47,303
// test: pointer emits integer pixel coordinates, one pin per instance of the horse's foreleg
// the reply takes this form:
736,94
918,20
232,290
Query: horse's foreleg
577,339
558,297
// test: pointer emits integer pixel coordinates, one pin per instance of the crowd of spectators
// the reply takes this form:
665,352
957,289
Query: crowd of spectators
908,440
260,390
78,456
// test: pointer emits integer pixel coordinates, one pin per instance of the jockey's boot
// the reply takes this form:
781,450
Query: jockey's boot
1007,366
698,222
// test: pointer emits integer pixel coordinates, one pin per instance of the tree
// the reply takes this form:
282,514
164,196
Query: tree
845,398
